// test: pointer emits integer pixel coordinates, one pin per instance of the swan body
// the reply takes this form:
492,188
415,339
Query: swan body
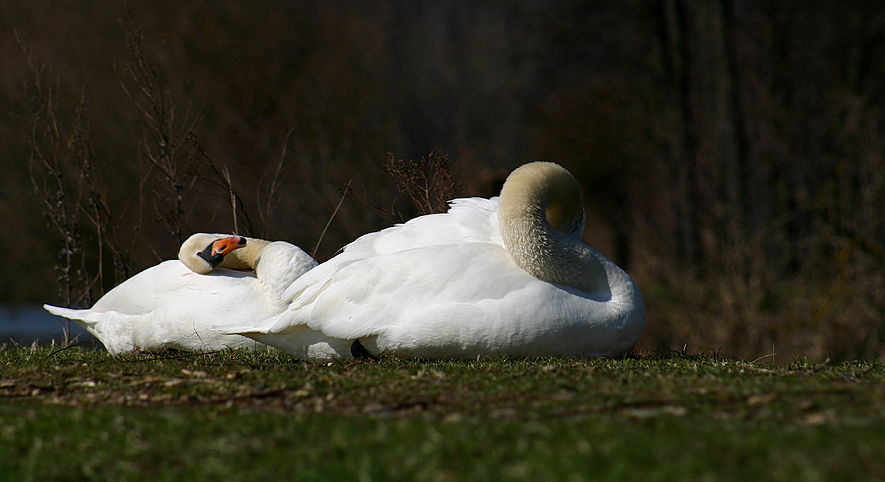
217,279
505,276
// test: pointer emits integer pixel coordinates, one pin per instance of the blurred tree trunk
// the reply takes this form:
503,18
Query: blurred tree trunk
711,174
742,185
676,37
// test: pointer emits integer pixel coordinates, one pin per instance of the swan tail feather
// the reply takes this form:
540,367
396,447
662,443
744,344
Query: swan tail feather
84,318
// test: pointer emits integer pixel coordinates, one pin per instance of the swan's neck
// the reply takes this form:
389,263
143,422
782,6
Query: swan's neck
541,215
245,258
276,264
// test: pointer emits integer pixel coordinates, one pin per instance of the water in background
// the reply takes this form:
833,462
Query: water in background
23,325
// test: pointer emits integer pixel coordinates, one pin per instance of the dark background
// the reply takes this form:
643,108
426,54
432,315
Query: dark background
730,152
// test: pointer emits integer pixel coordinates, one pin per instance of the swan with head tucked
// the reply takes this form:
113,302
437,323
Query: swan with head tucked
217,279
505,276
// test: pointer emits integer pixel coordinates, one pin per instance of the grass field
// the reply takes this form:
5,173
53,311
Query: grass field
80,414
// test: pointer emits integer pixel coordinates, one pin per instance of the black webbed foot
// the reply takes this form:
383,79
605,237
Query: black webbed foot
359,352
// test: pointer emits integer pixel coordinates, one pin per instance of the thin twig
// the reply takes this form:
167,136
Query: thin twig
329,222
275,181
233,197
69,345
772,355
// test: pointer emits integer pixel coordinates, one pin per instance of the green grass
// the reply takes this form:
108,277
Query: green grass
81,414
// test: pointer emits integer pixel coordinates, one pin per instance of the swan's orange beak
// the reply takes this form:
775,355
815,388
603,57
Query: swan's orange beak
227,245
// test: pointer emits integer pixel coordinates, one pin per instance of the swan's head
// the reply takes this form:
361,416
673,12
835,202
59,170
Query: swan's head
545,187
202,252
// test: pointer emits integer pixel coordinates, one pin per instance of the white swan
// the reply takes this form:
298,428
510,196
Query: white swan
176,303
501,276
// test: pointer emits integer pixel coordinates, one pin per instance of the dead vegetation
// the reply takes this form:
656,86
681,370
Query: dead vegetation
427,185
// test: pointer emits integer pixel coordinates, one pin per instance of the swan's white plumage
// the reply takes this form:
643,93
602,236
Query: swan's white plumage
171,306
445,285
